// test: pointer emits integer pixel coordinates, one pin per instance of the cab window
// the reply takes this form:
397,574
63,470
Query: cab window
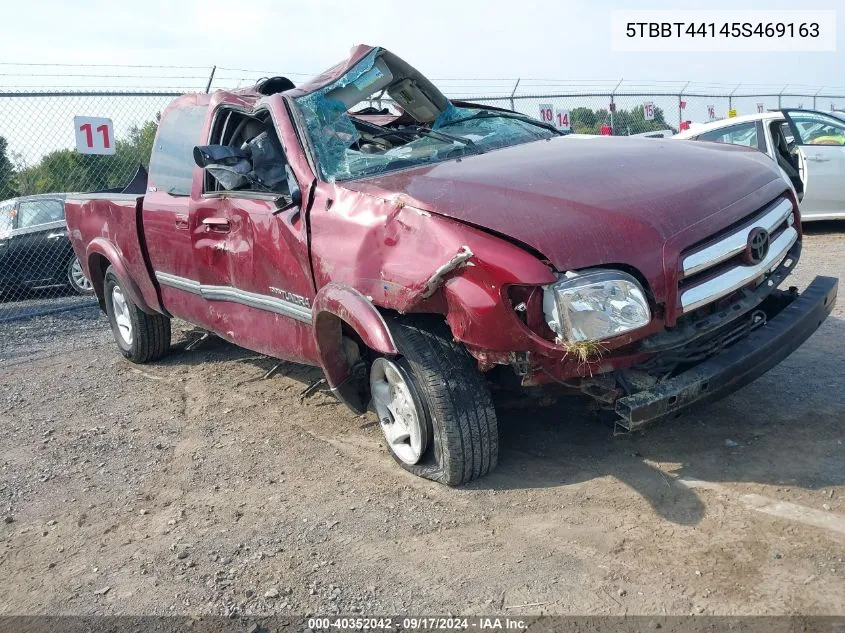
172,162
818,129
740,134
35,212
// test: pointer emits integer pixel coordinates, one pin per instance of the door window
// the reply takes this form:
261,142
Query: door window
815,128
245,154
35,212
741,134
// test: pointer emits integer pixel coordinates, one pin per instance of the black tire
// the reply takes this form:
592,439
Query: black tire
150,333
455,399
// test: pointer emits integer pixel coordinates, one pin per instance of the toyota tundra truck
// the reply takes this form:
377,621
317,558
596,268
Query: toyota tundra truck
428,257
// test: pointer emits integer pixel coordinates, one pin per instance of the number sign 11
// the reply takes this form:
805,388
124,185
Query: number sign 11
94,135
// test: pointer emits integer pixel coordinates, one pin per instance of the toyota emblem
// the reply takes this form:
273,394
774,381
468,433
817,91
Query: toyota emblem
757,247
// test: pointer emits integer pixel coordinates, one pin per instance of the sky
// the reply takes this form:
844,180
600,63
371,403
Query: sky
470,48
452,39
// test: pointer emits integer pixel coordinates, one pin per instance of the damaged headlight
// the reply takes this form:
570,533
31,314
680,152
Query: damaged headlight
593,305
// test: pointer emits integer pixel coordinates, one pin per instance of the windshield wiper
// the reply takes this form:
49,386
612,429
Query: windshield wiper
419,130
493,114
443,136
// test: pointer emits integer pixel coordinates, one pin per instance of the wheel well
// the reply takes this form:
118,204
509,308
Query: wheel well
97,266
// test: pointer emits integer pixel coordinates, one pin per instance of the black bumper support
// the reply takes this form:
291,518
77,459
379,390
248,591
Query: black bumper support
738,365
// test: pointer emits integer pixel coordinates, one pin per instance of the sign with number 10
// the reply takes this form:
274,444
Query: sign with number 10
547,113
94,135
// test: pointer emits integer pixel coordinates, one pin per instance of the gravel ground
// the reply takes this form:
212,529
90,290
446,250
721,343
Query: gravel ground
16,305
193,486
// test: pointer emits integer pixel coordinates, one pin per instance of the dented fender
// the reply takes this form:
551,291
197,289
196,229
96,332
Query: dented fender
337,304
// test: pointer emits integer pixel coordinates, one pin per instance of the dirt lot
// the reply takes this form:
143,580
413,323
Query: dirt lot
194,486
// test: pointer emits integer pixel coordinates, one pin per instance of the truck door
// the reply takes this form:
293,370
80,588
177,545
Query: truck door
820,139
167,208
250,245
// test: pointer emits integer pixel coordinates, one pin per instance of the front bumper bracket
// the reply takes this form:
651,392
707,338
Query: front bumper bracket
736,366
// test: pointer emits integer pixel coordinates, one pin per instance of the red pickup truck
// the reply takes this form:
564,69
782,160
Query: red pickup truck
422,260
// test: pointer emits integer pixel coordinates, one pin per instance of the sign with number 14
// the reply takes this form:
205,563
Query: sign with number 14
562,119
94,135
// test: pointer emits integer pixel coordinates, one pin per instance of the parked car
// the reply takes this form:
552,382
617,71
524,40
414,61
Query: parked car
808,145
35,251
418,263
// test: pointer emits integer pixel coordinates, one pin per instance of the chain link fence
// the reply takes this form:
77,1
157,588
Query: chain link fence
39,165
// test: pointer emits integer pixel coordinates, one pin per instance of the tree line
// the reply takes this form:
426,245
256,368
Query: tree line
66,170
625,122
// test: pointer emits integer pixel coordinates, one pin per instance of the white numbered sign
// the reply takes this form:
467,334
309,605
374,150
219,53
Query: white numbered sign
94,135
547,113
562,119
761,107
711,112
648,111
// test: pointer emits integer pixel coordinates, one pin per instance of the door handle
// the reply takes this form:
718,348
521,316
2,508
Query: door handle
216,224
818,158
181,221
55,236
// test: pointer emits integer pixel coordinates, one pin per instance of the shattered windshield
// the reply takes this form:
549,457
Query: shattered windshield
347,147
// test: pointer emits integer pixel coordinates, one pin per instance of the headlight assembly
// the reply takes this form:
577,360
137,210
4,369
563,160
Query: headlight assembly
594,305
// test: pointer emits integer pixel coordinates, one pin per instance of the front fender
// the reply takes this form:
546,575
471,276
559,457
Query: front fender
335,305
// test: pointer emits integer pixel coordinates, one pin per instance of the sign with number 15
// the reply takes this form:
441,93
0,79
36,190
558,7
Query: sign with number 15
94,135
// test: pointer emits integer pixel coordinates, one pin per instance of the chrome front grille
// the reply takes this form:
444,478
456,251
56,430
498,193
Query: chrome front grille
718,268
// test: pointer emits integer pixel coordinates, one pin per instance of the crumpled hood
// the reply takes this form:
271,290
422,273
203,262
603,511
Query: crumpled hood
585,202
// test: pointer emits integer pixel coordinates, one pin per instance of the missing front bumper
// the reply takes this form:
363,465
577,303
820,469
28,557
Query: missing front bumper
738,365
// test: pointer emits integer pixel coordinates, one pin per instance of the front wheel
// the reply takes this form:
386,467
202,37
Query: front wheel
141,337
434,406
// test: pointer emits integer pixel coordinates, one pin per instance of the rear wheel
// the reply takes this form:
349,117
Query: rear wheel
77,279
141,337
434,406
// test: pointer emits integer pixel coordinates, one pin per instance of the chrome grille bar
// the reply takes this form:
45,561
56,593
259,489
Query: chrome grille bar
734,243
736,278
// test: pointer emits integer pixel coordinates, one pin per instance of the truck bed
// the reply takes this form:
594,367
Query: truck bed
107,227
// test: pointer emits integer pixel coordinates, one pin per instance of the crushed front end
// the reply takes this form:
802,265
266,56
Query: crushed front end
734,323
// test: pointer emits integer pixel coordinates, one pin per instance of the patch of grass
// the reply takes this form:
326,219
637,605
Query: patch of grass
585,352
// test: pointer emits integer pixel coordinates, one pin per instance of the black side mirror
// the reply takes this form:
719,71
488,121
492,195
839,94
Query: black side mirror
230,166
205,155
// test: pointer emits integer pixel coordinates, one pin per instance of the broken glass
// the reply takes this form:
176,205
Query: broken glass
346,149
